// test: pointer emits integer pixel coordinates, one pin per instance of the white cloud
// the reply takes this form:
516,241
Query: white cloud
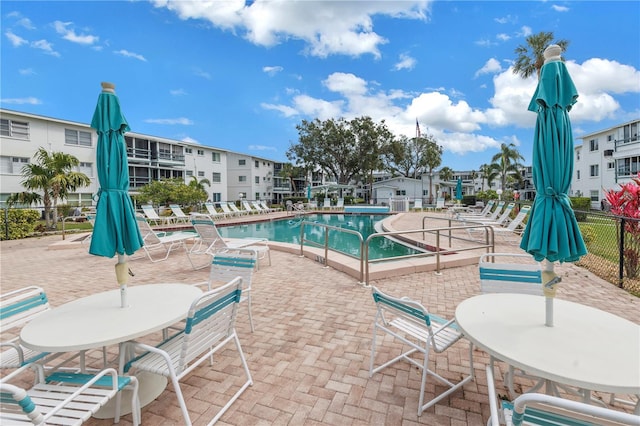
286,111
484,43
69,34
319,108
492,66
272,70
559,8
405,62
503,37
128,54
326,28
177,92
506,19
201,73
525,31
16,41
262,148
189,140
171,121
21,101
26,71
346,84
45,46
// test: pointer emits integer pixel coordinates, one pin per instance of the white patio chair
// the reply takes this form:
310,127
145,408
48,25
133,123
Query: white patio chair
178,214
63,398
491,217
162,242
327,204
484,213
409,321
212,212
210,325
417,204
259,208
227,211
227,265
153,216
546,410
210,241
17,308
271,209
500,221
439,203
249,209
313,205
236,210
339,205
506,233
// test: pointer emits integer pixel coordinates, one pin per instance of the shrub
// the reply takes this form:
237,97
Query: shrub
588,233
583,204
21,223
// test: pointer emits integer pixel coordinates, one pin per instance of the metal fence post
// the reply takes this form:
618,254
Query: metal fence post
6,223
621,255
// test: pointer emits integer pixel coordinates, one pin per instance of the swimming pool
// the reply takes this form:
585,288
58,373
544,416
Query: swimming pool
288,231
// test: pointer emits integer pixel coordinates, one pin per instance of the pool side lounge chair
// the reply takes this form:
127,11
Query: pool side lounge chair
153,216
339,205
210,241
163,242
484,213
510,234
63,398
409,322
210,325
439,203
259,208
538,409
249,209
213,213
226,210
236,210
490,217
327,204
178,214
504,217
271,209
417,204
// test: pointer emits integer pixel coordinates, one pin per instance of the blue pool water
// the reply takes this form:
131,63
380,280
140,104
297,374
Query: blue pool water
288,231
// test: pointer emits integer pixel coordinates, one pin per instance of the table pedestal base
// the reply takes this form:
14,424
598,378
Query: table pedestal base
150,386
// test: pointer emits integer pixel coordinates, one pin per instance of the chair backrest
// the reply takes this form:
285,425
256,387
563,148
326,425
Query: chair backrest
517,221
505,214
148,235
18,307
150,212
227,265
225,207
17,405
525,276
264,205
248,207
177,211
487,208
327,202
211,209
207,231
440,203
313,204
407,309
257,206
497,210
233,207
211,319
417,204
340,203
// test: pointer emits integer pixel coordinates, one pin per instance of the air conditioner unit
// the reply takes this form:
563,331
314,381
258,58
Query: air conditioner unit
608,153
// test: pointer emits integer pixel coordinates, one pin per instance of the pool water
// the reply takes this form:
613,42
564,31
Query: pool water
288,231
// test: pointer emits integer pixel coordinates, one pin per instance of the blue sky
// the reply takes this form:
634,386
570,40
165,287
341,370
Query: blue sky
241,75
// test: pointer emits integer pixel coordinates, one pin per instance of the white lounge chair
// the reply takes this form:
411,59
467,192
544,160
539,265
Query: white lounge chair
153,216
236,210
210,241
409,321
226,210
210,325
339,205
440,203
178,214
327,204
538,409
271,209
63,398
163,242
259,208
513,229
249,209
504,217
213,213
417,204
484,213
490,216
18,307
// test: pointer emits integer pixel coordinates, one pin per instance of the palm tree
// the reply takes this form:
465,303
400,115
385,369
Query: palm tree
290,172
505,162
53,175
531,55
445,174
198,191
474,176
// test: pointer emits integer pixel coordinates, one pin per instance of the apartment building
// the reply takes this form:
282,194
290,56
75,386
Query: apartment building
604,160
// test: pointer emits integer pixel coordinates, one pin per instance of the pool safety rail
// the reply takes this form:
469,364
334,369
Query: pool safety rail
442,234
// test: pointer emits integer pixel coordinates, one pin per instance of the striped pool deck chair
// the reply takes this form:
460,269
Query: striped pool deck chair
164,242
178,214
152,216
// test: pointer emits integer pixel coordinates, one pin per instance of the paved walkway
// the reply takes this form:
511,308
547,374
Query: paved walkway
309,354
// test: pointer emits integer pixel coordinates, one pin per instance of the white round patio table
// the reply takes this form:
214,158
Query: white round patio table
99,320
586,348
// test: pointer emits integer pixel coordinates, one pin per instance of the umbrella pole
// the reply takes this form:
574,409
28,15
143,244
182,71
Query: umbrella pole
549,281
122,275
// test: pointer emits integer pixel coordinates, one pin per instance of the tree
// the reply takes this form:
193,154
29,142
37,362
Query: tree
291,172
51,178
488,174
432,159
406,157
505,162
530,56
173,191
198,192
344,149
446,174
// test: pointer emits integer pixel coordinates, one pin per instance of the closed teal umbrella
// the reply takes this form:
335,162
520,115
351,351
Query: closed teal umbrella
115,229
459,189
552,232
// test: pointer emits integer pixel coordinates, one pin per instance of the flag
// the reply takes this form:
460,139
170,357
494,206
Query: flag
417,129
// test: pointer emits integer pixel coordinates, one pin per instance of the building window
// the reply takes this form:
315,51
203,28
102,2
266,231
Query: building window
593,145
188,150
86,168
14,129
609,138
242,162
257,195
257,164
242,178
216,197
611,165
215,157
189,173
401,192
201,152
257,179
578,174
594,195
593,169
200,174
216,177
77,137
577,155
12,165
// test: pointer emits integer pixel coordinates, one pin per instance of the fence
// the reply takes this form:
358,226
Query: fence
613,243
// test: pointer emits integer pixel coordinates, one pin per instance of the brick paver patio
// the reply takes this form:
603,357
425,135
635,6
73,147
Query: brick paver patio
309,354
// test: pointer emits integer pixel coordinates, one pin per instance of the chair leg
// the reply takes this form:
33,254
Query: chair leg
249,308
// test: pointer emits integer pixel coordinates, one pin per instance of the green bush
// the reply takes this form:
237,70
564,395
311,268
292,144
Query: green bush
588,233
469,200
583,204
21,223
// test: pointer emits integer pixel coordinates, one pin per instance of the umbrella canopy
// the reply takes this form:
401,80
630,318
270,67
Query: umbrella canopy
459,189
552,232
115,230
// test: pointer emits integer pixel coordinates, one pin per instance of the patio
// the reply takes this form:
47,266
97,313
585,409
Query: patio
309,354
